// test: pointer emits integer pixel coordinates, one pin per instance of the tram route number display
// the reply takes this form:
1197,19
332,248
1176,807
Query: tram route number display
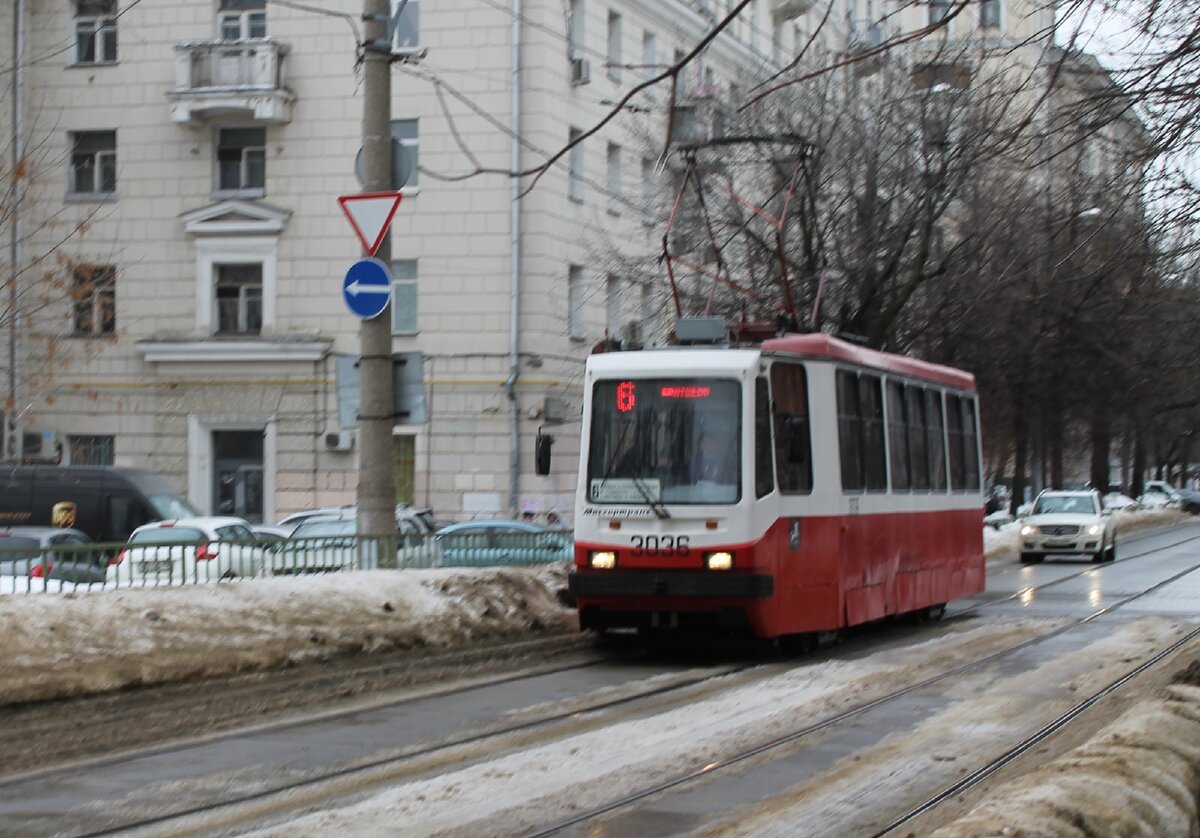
660,545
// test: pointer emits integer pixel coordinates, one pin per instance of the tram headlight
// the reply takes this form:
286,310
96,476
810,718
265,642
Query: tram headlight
718,561
1028,530
603,560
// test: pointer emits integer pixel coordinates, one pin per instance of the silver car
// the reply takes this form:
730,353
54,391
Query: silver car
1066,523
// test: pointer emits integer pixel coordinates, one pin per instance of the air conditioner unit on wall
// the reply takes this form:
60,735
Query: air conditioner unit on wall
340,440
41,446
581,71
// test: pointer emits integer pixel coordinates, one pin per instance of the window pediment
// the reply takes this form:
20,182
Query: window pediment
234,217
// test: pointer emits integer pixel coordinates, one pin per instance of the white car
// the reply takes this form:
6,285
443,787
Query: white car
1064,523
331,543
187,551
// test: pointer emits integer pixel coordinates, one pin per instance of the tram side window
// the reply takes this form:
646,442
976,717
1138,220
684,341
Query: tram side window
914,398
850,431
898,437
870,401
954,428
764,477
793,449
936,440
971,443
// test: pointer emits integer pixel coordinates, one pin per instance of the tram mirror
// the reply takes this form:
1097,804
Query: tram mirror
541,454
795,442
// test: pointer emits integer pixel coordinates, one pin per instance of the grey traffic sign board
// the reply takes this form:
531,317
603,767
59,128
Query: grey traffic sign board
367,288
408,388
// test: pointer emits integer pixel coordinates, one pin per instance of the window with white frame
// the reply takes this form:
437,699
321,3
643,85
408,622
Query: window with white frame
94,300
575,166
612,306
95,31
242,160
575,300
407,38
614,46
239,293
404,297
613,161
939,10
576,28
93,162
646,323
989,14
408,133
648,190
242,20
649,55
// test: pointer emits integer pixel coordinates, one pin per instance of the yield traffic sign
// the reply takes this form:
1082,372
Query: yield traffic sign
367,288
370,215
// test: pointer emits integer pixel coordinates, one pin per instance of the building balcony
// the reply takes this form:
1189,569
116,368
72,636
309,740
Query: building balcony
230,79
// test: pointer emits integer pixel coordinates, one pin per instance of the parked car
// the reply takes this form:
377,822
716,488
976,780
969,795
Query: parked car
423,518
1064,523
483,543
202,549
1189,500
330,543
50,553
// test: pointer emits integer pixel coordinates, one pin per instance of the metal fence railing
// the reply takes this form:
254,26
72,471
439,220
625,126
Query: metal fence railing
36,569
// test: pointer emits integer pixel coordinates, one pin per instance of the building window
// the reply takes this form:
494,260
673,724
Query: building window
404,297
646,324
648,191
241,159
576,29
575,302
239,299
614,178
93,162
95,31
649,55
575,166
90,450
612,306
407,132
243,20
939,10
989,14
94,299
614,46
407,40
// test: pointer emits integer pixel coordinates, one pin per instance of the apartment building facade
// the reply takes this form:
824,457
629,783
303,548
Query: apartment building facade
179,252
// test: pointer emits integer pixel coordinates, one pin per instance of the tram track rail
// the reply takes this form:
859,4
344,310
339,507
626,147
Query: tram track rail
577,715
692,777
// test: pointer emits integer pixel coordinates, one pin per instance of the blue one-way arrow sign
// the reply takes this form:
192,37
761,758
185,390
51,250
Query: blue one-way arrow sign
367,288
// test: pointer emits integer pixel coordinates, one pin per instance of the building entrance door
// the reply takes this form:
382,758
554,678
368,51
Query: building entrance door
238,474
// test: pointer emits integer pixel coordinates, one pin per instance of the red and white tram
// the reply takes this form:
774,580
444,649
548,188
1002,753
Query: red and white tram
802,486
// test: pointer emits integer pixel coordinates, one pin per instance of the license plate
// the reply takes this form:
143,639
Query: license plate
159,566
1060,544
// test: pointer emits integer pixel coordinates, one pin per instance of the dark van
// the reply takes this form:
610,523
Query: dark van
105,502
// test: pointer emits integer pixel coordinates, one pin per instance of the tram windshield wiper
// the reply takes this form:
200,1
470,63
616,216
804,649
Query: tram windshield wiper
660,510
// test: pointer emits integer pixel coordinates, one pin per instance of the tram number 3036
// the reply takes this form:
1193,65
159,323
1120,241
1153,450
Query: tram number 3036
660,545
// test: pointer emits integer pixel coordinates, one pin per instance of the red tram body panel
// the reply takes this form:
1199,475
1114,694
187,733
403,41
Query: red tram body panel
802,487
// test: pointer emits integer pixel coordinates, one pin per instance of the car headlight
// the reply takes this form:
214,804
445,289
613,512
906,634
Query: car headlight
603,559
720,560
1095,529
1028,530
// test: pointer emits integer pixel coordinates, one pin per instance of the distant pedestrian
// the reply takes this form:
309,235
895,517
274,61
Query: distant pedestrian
552,519
527,515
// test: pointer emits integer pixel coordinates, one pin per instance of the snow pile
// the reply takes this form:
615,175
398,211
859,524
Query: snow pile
1139,776
59,645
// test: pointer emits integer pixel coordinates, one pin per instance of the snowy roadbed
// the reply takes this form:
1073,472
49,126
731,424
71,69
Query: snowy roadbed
1140,776
61,645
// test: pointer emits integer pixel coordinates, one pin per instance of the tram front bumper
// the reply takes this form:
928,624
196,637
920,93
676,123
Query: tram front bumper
677,584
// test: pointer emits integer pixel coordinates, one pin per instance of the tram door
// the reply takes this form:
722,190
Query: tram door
238,474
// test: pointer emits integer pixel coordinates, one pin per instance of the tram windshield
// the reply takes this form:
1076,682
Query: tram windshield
659,440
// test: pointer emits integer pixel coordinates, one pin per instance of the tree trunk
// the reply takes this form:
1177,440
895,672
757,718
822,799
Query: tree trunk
1018,487
1136,484
1101,438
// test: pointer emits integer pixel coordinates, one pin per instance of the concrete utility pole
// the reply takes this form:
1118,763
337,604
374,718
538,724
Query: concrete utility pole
376,486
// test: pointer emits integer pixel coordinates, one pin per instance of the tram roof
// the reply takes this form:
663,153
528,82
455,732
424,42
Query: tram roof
825,346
